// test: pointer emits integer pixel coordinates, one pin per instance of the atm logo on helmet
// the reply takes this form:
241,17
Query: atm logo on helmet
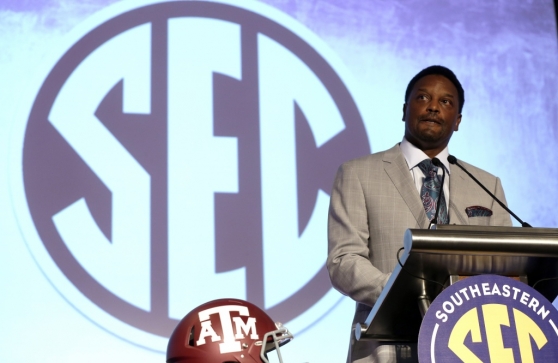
229,338
489,319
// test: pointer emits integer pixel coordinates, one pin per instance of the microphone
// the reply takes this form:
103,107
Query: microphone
453,160
438,164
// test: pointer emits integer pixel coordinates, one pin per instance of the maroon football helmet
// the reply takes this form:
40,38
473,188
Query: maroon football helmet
226,331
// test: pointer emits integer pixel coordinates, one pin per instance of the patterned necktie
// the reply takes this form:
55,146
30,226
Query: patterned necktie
432,191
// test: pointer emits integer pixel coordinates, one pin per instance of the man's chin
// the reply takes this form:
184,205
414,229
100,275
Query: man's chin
430,137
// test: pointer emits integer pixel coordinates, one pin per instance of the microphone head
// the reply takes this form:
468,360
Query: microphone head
452,160
436,162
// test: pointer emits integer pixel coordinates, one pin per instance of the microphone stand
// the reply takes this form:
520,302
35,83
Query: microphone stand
453,160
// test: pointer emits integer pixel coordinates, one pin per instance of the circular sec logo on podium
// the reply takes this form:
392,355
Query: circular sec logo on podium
489,318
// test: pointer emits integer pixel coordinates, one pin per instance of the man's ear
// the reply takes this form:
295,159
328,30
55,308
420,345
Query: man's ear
457,122
405,112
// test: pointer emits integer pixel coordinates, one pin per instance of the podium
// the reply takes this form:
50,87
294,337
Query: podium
451,250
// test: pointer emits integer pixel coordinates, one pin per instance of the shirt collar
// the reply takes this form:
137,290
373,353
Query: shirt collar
413,155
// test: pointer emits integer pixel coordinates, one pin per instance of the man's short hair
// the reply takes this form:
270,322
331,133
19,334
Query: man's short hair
441,71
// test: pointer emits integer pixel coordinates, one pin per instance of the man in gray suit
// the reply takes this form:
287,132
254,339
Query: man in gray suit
376,198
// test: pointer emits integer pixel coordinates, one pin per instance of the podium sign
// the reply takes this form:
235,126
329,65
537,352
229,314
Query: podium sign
489,318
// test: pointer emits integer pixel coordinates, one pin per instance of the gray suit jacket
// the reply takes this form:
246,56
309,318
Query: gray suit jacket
373,202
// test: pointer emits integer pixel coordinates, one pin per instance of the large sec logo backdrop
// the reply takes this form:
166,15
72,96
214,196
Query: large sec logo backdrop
179,152
489,318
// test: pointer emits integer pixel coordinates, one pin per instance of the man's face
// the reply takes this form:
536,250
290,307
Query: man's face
431,114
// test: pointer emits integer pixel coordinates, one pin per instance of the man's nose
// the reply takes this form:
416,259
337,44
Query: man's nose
432,106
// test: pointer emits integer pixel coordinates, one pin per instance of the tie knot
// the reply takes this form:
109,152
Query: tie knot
426,167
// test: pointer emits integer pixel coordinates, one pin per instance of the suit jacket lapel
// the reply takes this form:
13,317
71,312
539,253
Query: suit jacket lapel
458,199
396,168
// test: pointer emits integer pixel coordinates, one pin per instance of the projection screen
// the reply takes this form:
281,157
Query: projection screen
160,154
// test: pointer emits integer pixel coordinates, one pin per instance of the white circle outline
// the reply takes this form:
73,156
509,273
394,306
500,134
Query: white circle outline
41,256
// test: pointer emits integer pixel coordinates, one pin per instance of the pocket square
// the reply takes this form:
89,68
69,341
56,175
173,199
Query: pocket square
477,211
